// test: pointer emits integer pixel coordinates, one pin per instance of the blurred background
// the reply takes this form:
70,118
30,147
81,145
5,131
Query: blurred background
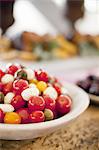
60,36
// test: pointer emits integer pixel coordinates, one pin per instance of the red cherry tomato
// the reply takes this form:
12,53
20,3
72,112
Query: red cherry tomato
19,86
1,74
55,114
24,114
7,87
12,69
36,103
41,76
1,86
63,104
36,116
18,102
1,116
49,103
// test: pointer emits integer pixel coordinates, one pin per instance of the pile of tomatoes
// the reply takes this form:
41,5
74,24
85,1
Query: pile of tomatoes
28,96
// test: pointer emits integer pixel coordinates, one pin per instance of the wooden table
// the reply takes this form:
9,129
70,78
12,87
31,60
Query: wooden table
81,134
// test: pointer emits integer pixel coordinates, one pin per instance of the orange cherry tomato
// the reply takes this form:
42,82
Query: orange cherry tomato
12,118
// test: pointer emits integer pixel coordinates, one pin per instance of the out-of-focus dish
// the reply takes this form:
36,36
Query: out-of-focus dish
7,51
91,86
87,44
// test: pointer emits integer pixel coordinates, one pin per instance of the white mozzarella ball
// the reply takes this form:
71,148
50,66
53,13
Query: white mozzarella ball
29,92
51,92
7,78
9,96
64,91
7,107
32,85
30,73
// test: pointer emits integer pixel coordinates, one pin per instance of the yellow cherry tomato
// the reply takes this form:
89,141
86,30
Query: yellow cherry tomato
35,81
12,118
41,85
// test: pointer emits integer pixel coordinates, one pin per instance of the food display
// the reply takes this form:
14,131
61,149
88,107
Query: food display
28,96
34,47
47,46
90,84
88,45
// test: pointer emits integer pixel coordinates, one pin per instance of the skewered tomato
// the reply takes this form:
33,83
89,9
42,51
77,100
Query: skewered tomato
12,69
36,103
41,76
20,85
18,102
24,114
7,87
49,103
63,104
36,116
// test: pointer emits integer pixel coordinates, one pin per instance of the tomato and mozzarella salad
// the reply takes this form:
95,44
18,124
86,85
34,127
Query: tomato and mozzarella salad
31,96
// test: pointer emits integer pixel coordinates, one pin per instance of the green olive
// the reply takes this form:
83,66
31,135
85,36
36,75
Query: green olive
48,114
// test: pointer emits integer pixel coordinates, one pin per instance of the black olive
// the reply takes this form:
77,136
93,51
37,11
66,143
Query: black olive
85,84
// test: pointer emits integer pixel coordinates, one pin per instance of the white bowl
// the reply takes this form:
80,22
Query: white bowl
29,131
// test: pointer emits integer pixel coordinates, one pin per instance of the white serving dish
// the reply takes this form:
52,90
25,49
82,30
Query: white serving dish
29,131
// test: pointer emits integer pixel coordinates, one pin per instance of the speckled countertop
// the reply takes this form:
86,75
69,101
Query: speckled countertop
81,134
